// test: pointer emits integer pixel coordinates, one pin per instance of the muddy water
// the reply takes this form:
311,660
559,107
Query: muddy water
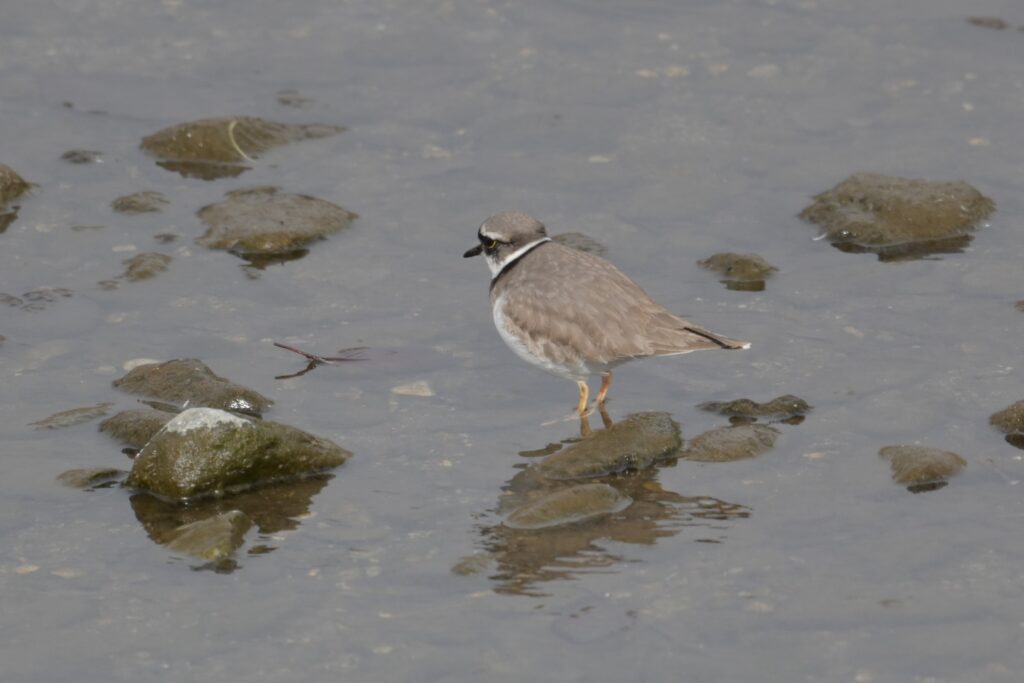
667,132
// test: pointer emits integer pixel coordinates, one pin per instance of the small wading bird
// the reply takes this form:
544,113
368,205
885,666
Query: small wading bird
574,314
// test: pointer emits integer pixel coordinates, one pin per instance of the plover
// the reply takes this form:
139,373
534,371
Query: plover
574,314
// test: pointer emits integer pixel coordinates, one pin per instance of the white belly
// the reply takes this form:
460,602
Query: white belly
577,371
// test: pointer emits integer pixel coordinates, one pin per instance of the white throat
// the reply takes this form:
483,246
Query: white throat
496,265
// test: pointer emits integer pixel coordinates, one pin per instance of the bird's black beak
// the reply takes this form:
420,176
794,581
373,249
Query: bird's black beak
475,251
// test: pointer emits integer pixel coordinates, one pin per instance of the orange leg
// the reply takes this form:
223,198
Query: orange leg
606,383
581,407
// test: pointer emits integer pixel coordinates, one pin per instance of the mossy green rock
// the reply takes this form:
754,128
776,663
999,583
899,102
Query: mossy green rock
569,506
263,220
779,407
136,427
214,538
190,380
145,266
1009,420
140,202
918,465
724,444
204,451
228,138
633,443
743,267
89,477
75,416
873,212
12,185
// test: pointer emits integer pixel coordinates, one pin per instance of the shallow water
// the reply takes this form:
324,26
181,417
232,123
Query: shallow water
668,132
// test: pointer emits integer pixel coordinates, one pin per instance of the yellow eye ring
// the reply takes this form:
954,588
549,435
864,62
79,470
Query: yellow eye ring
493,244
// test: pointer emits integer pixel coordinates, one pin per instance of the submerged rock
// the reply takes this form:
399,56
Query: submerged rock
190,380
898,217
70,418
570,505
90,478
145,266
736,442
135,427
921,468
217,147
214,538
263,220
1009,420
989,22
204,451
742,272
633,443
779,408
140,202
12,185
577,240
81,156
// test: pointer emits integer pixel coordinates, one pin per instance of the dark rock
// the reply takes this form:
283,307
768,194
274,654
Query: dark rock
214,538
736,442
263,220
190,380
90,478
743,272
898,217
569,506
140,202
635,442
145,266
135,427
81,156
921,468
75,416
1019,305
204,451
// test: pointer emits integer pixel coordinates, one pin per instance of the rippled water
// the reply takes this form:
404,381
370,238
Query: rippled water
667,131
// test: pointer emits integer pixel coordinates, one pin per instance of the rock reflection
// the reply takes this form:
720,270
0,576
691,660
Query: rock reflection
212,529
630,508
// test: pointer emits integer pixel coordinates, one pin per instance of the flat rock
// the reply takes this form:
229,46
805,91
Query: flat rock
781,407
898,217
214,538
135,427
725,444
89,478
204,451
633,443
145,266
264,220
570,505
75,416
140,202
190,380
919,467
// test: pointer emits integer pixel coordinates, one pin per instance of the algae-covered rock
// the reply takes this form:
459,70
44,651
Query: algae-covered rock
135,427
263,220
218,147
633,443
214,538
90,478
1009,420
12,185
75,416
736,442
779,408
145,266
898,217
581,242
569,506
140,202
81,156
205,451
190,380
921,468
741,272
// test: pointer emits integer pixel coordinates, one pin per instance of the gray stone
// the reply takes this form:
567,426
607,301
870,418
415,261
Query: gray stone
570,505
737,442
190,380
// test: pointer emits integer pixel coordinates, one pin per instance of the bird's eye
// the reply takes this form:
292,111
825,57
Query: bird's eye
492,244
